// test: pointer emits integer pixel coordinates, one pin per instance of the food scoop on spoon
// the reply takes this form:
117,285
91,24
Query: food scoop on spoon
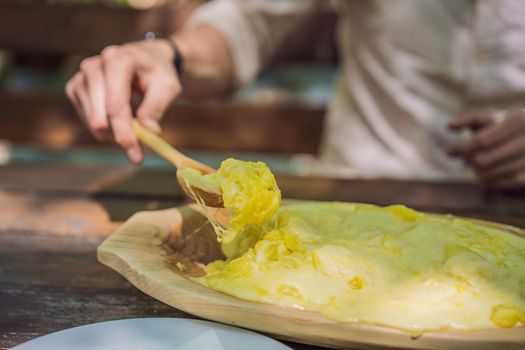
210,196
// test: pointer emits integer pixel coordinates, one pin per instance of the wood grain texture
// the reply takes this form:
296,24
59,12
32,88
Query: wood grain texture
229,126
460,198
50,282
136,250
41,27
92,26
88,202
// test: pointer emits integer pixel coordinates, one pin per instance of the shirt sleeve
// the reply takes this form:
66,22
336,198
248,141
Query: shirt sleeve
253,29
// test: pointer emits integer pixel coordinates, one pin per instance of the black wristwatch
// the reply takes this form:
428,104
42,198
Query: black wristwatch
178,60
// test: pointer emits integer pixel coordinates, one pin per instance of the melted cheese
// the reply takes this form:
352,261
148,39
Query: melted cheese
248,189
388,266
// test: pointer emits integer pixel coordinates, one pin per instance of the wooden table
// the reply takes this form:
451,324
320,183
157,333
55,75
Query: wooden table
52,218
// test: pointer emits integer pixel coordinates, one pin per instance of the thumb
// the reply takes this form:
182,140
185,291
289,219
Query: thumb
157,98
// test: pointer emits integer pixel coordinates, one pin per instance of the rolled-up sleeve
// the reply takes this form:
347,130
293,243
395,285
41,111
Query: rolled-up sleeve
253,29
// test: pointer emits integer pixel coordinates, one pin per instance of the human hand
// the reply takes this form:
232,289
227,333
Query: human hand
496,148
101,91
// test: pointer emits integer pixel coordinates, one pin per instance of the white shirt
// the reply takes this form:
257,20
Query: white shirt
407,67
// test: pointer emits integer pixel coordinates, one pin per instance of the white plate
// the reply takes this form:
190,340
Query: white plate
153,334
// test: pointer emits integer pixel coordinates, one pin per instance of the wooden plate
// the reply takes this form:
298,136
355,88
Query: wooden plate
137,250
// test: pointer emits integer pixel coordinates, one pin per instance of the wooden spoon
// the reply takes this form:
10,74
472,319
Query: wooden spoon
180,161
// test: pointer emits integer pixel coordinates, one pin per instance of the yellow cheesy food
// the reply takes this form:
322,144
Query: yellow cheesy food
389,266
248,189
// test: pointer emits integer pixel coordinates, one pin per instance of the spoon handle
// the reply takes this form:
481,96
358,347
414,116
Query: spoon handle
165,150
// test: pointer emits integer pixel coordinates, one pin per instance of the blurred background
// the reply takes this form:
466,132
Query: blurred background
277,119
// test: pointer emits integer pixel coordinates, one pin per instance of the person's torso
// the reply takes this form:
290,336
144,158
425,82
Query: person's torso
408,66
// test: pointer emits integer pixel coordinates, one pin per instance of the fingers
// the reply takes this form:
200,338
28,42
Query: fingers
101,94
497,152
505,152
76,82
503,170
77,93
498,133
84,97
473,120
118,68
503,167
101,91
491,135
97,121
160,93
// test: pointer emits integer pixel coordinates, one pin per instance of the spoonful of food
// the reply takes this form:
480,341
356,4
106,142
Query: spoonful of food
240,192
189,171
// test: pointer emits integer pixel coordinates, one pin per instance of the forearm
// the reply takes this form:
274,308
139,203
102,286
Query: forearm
208,68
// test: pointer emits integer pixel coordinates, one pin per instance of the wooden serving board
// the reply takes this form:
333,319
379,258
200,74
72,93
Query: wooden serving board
137,250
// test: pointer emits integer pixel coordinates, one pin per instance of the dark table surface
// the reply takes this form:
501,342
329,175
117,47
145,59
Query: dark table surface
53,216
